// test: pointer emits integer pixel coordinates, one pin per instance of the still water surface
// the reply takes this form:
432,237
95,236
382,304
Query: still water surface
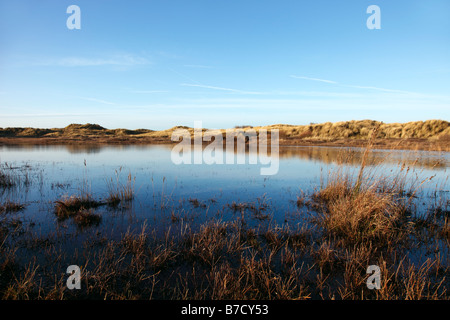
161,187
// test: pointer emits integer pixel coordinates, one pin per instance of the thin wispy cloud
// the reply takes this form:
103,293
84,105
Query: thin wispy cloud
183,76
199,66
53,115
148,91
220,88
313,79
260,105
319,94
378,89
118,60
353,86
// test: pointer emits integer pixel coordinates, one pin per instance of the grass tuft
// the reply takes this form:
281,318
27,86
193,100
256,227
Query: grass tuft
119,192
71,206
87,218
11,206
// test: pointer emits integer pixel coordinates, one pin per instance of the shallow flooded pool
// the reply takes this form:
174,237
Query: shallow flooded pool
49,173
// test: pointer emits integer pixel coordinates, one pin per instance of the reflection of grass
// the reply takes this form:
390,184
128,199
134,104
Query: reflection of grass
80,208
119,192
17,177
7,179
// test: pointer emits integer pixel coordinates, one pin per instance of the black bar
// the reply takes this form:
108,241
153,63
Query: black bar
221,309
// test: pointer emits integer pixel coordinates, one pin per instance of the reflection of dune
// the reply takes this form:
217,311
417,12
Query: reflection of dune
326,155
353,156
71,148
77,148
92,149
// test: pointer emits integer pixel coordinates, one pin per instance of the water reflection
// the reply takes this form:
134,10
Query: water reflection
326,155
353,156
49,173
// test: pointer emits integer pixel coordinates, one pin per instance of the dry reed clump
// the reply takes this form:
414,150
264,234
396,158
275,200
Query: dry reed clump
366,215
8,266
11,206
402,281
196,203
86,218
208,244
24,287
74,205
119,192
363,209
366,208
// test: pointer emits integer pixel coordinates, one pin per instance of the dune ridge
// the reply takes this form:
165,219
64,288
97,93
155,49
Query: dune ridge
426,135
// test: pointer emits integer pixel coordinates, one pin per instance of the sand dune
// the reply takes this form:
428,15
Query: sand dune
426,135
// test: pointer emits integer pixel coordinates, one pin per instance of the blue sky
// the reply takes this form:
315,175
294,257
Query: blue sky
157,64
